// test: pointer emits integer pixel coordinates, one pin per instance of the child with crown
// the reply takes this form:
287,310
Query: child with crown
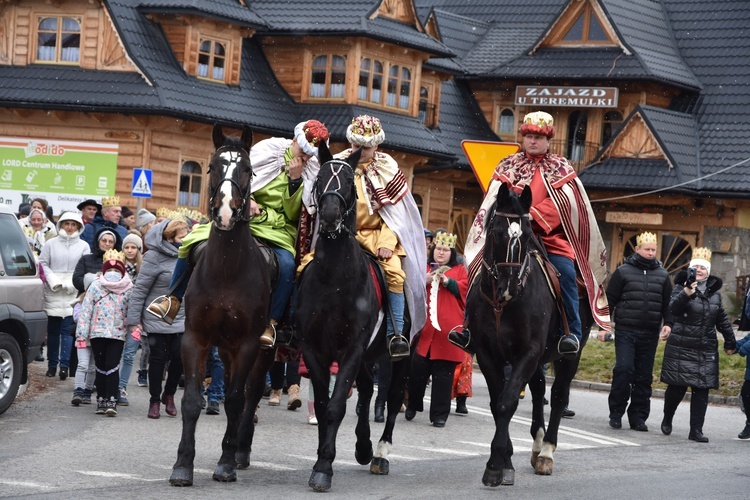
638,294
102,324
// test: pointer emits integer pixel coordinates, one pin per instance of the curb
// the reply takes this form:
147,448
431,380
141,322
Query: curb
656,393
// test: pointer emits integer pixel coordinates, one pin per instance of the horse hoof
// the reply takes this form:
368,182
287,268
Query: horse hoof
380,466
225,473
509,477
182,476
543,466
534,457
363,457
492,477
242,459
320,481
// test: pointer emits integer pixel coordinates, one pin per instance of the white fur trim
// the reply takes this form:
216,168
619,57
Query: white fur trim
434,287
302,142
701,262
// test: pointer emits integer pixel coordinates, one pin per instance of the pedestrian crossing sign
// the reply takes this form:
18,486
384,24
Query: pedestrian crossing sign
141,183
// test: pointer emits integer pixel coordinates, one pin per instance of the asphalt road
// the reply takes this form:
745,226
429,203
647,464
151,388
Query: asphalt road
49,449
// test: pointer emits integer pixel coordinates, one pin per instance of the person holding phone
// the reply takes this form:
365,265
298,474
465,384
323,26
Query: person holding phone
447,283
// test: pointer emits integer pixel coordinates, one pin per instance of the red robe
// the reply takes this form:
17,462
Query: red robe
434,344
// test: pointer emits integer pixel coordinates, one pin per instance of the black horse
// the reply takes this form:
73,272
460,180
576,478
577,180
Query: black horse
514,319
340,319
226,303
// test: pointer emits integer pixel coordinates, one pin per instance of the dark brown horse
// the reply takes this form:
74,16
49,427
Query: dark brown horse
515,321
226,303
337,314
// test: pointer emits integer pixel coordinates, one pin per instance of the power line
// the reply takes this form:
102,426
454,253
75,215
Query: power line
635,195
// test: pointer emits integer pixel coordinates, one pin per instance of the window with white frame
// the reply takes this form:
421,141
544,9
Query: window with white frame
58,39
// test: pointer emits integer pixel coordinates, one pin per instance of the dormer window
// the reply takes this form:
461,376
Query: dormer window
212,58
328,77
58,40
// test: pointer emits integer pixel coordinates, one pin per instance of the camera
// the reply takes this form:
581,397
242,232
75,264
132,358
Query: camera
690,279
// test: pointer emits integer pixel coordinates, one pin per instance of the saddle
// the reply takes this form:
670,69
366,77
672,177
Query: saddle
197,251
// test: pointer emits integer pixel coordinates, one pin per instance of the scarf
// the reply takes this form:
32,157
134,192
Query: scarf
382,181
118,287
518,169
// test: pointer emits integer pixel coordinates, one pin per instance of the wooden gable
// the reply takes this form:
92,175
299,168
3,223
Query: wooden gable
431,27
636,140
586,16
400,10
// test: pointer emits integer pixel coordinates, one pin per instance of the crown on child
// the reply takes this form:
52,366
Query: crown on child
110,201
645,239
113,254
445,239
702,253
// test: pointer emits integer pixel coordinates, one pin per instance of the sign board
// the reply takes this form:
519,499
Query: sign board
484,156
634,218
63,172
579,97
141,183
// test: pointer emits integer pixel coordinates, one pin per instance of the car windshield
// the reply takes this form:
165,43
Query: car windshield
16,254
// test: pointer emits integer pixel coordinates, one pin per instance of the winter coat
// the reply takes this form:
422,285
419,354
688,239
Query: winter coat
92,229
153,281
743,348
103,313
58,259
639,293
90,265
691,357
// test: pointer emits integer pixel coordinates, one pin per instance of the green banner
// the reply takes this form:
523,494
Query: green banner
86,169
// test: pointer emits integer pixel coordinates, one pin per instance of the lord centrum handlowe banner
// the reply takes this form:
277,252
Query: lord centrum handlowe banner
63,172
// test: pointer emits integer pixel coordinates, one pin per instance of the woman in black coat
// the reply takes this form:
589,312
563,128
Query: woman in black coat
90,265
691,357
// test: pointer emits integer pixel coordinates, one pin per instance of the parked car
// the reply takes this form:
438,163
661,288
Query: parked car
23,323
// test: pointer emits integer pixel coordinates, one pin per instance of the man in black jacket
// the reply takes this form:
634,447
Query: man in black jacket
638,293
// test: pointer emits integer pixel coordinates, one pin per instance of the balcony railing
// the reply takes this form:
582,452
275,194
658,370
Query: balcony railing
579,154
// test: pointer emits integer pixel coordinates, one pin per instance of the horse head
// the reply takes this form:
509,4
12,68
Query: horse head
335,192
508,242
230,173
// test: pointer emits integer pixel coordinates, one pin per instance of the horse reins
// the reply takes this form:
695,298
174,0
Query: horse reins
329,191
236,156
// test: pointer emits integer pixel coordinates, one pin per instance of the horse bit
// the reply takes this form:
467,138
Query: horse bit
235,158
329,190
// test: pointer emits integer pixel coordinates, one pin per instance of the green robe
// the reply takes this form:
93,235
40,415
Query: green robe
276,224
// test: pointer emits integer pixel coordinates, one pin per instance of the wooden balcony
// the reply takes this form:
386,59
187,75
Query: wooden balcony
579,155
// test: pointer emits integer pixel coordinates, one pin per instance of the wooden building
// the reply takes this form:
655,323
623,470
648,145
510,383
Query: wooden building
638,106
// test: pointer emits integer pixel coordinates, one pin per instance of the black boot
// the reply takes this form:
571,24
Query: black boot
666,425
379,411
568,344
461,337
745,434
398,346
461,405
697,435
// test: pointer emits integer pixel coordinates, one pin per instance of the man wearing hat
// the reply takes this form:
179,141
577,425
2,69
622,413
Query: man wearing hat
88,209
638,292
284,174
558,199
127,219
389,226
109,217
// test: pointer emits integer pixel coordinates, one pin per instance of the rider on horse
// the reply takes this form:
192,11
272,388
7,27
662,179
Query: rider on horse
284,172
389,227
561,216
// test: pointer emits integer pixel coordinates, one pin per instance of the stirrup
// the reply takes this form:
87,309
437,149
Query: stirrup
165,307
565,347
460,336
268,338
398,346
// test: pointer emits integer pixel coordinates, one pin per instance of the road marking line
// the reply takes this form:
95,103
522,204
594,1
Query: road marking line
27,484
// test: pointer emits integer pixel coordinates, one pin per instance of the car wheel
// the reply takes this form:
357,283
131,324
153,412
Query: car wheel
10,370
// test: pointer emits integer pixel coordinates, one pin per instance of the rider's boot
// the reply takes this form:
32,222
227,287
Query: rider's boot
167,306
268,339
568,344
461,337
398,345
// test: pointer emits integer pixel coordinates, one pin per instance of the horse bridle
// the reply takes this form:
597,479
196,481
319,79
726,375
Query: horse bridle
330,190
237,156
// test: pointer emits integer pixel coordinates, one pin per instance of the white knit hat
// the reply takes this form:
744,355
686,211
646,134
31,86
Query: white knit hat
134,239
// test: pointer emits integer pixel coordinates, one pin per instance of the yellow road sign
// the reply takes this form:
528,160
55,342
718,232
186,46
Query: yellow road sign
485,155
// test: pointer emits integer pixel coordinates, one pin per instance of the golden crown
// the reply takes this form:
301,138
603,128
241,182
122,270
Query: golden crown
192,214
645,239
163,212
110,201
113,254
702,253
539,118
445,239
